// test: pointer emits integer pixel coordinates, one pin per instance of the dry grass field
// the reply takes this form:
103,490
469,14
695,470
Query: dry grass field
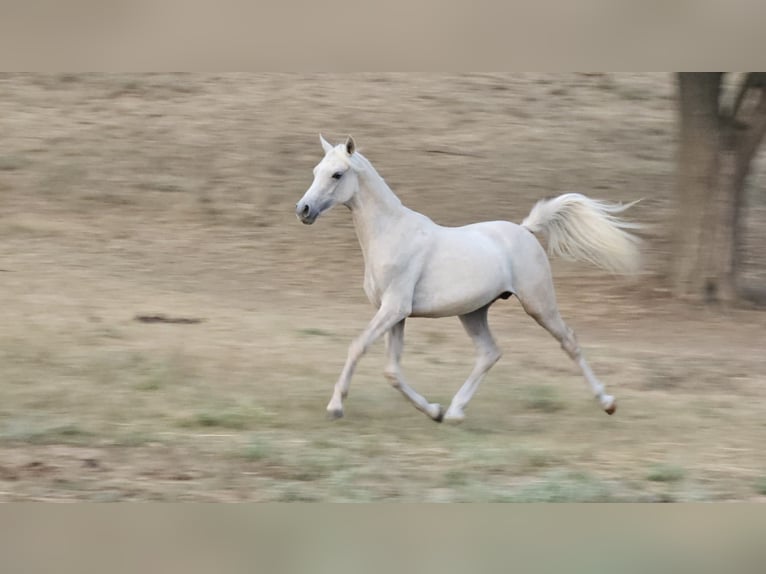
143,195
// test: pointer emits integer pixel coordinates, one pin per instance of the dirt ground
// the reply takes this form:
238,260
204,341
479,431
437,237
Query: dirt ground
173,195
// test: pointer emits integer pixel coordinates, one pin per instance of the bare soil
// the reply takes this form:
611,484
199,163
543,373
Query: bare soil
170,198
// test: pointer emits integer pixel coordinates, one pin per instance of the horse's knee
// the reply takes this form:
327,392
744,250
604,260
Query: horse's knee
573,352
393,377
492,356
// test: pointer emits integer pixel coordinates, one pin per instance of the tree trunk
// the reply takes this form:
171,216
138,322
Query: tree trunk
716,149
700,239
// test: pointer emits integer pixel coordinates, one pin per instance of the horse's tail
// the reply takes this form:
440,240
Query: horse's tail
579,228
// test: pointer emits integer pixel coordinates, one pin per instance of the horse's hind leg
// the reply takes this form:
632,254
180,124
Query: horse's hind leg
487,354
540,304
393,372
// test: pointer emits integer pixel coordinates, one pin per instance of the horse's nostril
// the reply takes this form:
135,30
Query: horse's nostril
305,211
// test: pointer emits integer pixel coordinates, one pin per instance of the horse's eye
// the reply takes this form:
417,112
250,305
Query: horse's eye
337,175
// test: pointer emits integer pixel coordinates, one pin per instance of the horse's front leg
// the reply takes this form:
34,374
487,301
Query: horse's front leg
393,372
392,310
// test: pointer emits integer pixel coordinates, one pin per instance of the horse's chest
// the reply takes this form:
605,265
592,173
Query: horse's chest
391,268
378,280
372,287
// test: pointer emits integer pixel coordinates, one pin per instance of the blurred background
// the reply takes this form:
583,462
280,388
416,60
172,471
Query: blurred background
170,331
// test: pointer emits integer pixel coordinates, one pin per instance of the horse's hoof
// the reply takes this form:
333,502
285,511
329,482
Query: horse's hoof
439,415
334,414
611,409
454,418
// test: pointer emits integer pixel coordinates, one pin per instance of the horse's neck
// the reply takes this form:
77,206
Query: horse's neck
374,208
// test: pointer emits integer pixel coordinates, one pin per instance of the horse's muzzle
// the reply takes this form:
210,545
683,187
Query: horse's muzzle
305,213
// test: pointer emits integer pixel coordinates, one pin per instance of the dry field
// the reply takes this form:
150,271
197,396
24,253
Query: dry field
173,195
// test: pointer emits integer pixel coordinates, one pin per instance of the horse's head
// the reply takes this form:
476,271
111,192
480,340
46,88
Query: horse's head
335,181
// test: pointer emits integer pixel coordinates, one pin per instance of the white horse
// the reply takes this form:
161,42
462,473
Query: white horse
416,268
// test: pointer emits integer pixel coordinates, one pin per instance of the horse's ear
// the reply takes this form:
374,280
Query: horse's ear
326,146
350,145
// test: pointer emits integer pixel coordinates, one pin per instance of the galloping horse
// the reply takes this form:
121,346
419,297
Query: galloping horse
416,268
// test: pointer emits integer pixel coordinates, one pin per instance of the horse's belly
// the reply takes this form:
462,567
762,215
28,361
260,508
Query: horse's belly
460,292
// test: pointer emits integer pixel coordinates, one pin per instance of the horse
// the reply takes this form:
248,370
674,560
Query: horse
417,268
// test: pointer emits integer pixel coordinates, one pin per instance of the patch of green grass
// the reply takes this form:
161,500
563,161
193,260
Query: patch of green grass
153,383
69,430
531,459
760,486
141,371
37,433
296,493
483,458
108,496
305,467
257,450
70,485
561,487
234,417
455,477
543,399
665,473
224,419
134,439
307,473
323,443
